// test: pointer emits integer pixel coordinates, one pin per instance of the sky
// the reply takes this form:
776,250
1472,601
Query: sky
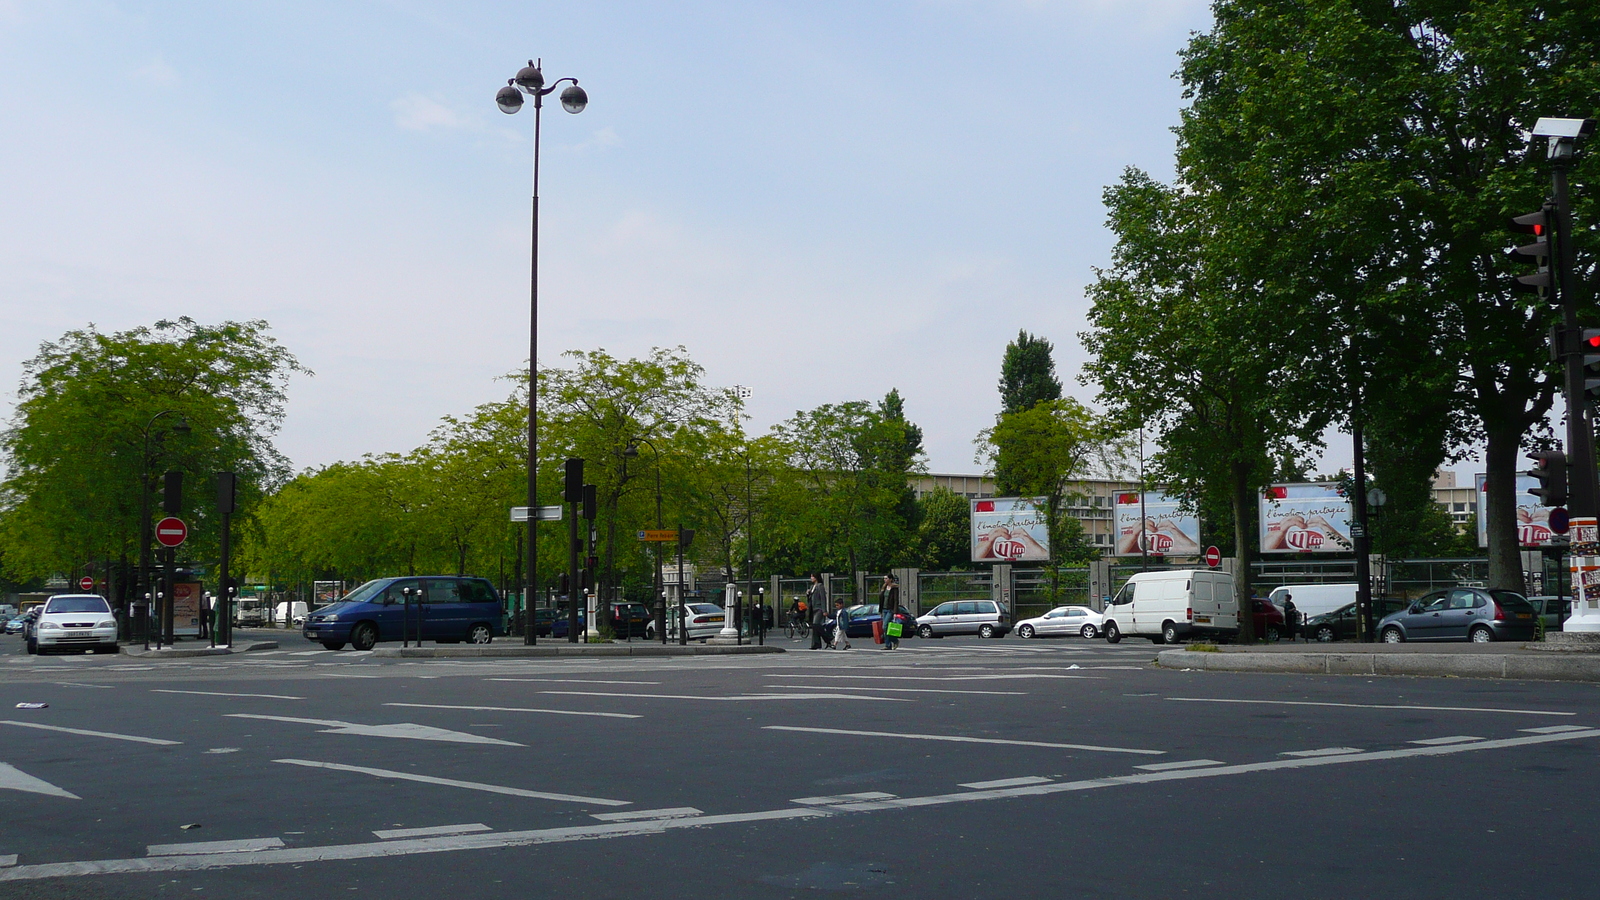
821,201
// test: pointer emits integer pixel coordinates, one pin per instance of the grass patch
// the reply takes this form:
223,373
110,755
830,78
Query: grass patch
1203,648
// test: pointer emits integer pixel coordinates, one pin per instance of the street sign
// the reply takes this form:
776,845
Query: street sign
667,535
85,583
546,513
1559,520
1213,556
171,532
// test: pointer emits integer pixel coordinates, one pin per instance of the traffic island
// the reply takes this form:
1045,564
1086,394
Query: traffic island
196,651
569,650
1512,661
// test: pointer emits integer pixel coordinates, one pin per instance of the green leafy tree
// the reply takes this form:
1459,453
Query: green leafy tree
944,531
1027,374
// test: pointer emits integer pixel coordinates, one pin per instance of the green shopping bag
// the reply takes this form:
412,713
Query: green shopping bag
894,629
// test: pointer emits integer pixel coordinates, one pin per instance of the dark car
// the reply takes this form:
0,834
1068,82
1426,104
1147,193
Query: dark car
628,619
1462,614
443,608
1341,624
543,618
863,615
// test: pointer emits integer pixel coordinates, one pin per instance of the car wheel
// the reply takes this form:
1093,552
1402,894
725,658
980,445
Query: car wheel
1325,634
986,630
1481,635
1392,635
925,631
333,645
1088,632
1271,634
1026,631
364,637
480,634
1113,634
33,649
1169,633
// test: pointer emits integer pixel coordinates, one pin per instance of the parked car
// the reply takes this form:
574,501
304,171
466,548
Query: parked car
1314,599
1166,606
16,624
1462,614
74,622
985,618
1341,624
544,619
705,620
628,619
862,615
446,609
1079,620
1552,610
1270,624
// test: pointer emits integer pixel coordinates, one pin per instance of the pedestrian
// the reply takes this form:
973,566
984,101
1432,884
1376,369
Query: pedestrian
817,602
888,606
1291,617
841,626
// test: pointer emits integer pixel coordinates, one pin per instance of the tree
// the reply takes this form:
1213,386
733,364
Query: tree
944,531
94,429
1027,374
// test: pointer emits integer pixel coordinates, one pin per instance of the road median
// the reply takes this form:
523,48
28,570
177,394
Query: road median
1514,664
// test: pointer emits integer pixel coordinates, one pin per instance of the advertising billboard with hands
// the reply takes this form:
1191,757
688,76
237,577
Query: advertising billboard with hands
1533,520
1167,530
1305,518
1010,529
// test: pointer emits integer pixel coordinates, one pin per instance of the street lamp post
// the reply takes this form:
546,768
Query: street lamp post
145,487
530,80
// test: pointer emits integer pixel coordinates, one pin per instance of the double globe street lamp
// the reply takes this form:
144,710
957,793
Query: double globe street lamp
530,81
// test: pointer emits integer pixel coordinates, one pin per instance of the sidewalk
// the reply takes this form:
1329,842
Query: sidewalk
562,648
197,649
1464,660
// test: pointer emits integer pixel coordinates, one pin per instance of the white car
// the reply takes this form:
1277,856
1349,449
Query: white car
74,622
705,620
1079,620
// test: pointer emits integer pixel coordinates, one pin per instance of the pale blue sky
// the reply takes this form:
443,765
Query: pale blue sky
821,200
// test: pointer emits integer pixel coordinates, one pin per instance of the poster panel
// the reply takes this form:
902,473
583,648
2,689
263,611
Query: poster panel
186,608
1533,520
1305,518
1010,529
1167,531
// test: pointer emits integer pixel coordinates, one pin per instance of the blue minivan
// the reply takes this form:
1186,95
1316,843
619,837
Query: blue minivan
443,608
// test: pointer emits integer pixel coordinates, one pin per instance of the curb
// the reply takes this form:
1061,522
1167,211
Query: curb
192,652
522,650
1562,667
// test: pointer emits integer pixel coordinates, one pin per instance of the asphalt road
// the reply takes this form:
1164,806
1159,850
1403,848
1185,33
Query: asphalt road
949,769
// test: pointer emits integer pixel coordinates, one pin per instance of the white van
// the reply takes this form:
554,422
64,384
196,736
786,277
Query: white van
1314,599
1167,606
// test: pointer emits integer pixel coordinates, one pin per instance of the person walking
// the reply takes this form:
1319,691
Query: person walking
888,606
1291,617
841,626
817,603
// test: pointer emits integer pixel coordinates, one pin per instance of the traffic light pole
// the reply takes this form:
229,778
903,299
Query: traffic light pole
1582,487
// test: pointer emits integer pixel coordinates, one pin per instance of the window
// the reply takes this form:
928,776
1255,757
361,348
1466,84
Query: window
966,609
77,605
944,609
476,590
395,593
1462,600
444,590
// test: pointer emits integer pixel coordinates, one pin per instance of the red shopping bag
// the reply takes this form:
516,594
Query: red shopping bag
877,632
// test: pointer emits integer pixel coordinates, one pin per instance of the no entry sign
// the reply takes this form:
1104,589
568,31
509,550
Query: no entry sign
170,532
1213,557
85,583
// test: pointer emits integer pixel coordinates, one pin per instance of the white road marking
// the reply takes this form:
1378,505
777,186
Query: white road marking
572,680
1006,782
1487,709
842,798
961,740
1554,729
556,712
77,684
808,696
249,845
930,691
344,675
1010,677
390,834
1185,764
409,730
309,652
87,733
451,782
676,812
1325,751
8,860
1453,739
225,694
14,779
223,750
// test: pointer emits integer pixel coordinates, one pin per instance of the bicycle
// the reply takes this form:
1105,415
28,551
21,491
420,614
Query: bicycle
797,626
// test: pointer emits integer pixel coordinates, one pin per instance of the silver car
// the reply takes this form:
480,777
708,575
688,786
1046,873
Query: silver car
980,617
1462,614
74,622
1079,620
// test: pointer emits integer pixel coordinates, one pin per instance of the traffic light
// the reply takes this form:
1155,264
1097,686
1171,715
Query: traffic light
590,502
574,485
172,493
685,538
1590,346
1550,467
1538,252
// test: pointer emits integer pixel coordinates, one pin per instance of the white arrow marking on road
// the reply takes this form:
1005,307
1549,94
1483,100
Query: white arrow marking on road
15,779
960,739
398,730
103,734
1487,709
248,845
740,697
451,782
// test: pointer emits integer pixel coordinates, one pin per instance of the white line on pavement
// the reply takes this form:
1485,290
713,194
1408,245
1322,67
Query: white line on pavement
936,677
927,691
556,712
14,779
1185,764
409,730
86,733
1487,709
451,782
1454,739
1006,782
501,840
1325,751
249,845
390,834
842,798
572,680
676,812
960,740
225,694
8,860
1553,729
806,696
76,684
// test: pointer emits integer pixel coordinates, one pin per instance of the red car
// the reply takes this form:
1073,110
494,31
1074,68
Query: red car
1268,620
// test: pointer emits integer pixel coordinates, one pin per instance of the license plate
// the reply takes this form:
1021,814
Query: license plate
312,635
1204,620
80,634
1524,615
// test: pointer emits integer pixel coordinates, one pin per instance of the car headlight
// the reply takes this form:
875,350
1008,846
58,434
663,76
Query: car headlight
49,626
108,623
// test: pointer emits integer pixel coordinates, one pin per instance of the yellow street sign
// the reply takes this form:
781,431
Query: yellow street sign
658,535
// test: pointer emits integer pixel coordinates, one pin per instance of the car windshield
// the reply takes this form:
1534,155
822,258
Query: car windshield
704,608
77,605
366,592
1512,600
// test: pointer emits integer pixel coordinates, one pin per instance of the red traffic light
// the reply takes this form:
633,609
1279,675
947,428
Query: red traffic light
1535,223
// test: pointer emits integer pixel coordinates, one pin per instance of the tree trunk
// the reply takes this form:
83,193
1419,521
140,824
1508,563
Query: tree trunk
1500,508
1243,543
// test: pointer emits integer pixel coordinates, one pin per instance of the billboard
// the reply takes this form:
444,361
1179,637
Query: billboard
1533,520
1305,518
1167,530
1010,529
